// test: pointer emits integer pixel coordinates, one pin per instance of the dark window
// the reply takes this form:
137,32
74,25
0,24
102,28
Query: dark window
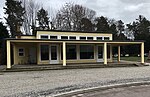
86,52
82,38
99,38
71,52
53,52
64,37
21,52
106,38
44,36
100,52
44,52
53,37
72,38
89,38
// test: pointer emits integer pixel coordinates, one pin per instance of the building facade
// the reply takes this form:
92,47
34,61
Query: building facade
64,47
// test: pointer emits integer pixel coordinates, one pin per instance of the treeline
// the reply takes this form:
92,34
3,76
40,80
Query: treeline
30,16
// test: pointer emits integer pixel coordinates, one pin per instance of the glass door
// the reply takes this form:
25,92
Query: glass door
54,54
99,53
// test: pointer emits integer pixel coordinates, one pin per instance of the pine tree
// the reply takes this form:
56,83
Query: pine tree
86,25
120,29
102,24
14,12
43,19
3,33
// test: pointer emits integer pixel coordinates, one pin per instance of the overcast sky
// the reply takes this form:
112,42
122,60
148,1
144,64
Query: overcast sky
126,10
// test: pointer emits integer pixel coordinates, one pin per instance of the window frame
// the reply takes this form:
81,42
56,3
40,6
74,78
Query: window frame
72,39
40,52
86,58
54,36
64,36
82,37
23,52
99,37
106,38
61,52
90,37
44,35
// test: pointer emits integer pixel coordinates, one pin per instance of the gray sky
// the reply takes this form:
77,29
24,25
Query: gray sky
126,10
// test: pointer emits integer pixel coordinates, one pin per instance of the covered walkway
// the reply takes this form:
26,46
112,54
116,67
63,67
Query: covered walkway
64,44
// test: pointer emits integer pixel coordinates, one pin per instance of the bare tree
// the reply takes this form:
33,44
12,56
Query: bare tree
58,21
70,15
52,15
31,8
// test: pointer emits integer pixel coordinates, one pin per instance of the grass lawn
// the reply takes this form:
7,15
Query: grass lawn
131,58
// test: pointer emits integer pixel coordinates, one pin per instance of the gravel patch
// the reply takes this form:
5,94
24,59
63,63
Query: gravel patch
47,83
51,92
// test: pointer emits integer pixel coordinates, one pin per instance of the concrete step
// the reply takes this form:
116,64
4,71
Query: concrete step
60,67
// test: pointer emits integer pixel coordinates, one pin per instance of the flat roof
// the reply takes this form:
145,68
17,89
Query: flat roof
63,40
75,31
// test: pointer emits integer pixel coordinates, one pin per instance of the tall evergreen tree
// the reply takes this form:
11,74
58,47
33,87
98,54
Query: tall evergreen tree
3,33
120,26
141,31
142,28
120,29
113,30
43,19
86,25
131,29
14,15
102,24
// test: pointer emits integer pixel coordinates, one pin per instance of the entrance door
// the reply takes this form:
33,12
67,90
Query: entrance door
100,54
32,55
54,54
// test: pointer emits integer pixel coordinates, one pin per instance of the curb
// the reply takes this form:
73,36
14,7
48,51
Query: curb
99,88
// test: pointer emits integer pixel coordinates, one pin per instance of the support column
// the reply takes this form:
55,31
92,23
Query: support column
118,53
142,53
64,53
8,55
105,53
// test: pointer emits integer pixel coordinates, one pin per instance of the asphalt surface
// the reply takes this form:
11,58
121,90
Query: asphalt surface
47,83
136,91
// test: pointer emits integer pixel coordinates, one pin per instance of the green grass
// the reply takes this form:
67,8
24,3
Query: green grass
131,58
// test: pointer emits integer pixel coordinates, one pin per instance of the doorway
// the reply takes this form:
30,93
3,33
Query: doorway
100,53
54,54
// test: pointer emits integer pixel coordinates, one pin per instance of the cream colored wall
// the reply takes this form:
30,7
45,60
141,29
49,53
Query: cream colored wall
72,34
22,59
28,37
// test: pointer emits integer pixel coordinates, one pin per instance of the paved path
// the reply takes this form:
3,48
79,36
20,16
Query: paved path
136,91
2,67
50,82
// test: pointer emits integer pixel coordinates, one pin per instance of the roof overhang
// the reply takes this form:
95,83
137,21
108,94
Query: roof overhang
127,42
